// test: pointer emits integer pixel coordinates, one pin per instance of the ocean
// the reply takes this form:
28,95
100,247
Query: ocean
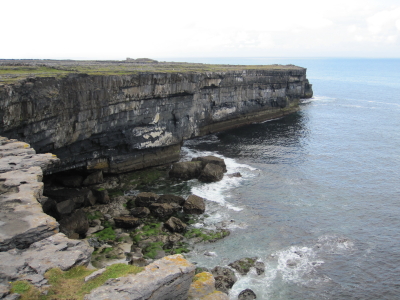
319,197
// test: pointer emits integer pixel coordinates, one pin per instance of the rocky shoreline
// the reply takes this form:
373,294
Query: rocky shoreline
101,226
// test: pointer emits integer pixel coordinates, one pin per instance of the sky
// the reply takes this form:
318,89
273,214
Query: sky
119,29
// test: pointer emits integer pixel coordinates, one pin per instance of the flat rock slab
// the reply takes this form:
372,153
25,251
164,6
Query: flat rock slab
164,279
22,221
30,264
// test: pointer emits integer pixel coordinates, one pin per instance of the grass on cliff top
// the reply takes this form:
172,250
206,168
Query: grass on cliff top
13,71
71,284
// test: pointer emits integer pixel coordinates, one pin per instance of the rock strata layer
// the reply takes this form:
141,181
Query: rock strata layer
119,123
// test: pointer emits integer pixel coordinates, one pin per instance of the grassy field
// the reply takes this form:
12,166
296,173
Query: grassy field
14,70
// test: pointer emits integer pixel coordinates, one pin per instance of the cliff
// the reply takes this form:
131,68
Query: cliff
120,123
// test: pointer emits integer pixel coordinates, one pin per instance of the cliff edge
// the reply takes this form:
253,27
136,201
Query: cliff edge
128,119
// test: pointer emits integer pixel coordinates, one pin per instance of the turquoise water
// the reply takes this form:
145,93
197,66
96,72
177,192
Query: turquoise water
319,200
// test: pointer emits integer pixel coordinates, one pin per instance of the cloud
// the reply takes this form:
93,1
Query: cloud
122,28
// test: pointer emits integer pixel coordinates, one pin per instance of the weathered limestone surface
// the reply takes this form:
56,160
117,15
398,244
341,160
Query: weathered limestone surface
56,251
203,288
165,279
22,221
127,122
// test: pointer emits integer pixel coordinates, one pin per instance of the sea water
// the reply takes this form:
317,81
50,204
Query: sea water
319,198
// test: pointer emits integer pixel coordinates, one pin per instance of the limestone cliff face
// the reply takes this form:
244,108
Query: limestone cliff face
127,122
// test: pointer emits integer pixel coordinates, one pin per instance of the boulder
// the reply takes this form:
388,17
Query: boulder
171,199
162,210
203,287
167,278
211,173
139,212
73,181
211,160
82,197
126,222
175,225
146,199
186,170
243,265
138,261
64,208
237,174
93,178
247,294
194,205
31,264
260,267
76,223
225,278
101,196
203,284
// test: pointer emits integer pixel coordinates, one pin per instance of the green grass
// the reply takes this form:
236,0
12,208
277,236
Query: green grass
94,216
11,73
106,234
70,284
151,250
205,235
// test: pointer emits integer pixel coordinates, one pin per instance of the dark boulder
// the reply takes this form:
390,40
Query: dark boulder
225,278
82,197
175,225
94,178
64,208
101,196
146,199
163,210
211,160
243,265
126,222
211,173
247,294
76,225
186,170
73,181
140,212
194,205
171,199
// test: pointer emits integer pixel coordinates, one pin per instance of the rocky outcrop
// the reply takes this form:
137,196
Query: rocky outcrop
167,278
119,123
29,240
203,288
22,221
30,264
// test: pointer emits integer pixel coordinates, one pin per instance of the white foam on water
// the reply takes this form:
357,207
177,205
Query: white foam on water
317,98
220,191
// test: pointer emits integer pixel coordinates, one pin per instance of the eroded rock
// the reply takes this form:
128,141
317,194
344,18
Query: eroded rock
247,294
186,170
175,225
166,278
211,173
56,251
211,160
146,199
194,205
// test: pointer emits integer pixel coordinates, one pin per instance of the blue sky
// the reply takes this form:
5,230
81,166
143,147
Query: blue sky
118,29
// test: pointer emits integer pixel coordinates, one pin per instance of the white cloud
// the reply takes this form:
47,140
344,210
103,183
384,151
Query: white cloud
121,28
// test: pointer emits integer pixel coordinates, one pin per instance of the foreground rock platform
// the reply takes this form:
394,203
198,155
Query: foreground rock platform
29,240
166,278
22,221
